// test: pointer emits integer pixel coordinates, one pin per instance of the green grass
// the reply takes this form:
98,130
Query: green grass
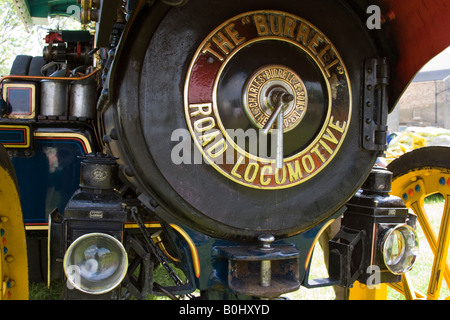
39,291
421,271
419,275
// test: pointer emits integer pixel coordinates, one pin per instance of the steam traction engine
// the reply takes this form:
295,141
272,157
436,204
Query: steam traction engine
221,139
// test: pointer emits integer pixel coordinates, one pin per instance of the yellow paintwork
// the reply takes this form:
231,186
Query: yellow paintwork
191,244
362,292
413,188
13,251
27,133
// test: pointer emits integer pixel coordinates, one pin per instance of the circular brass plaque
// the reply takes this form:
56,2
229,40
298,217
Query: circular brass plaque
257,100
212,62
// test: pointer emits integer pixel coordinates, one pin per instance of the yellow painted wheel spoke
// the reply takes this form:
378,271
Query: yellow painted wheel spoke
414,188
408,290
440,259
400,287
419,210
430,235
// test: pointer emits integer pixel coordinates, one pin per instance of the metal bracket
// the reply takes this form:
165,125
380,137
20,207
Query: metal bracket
375,105
347,255
138,285
261,271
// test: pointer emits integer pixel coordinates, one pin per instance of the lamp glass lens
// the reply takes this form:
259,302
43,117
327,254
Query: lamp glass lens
95,263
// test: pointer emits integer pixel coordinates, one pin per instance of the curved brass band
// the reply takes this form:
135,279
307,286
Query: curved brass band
202,110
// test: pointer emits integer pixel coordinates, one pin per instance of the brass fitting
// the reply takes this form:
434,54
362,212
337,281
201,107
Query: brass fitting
89,10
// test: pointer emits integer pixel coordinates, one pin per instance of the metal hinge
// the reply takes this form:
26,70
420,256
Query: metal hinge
375,105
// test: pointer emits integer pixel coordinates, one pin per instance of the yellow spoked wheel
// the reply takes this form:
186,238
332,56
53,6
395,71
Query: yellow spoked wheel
417,175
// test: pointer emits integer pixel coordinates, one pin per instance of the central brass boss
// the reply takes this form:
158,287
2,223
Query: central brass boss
257,96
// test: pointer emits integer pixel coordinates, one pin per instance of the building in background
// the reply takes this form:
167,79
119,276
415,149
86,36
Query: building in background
426,102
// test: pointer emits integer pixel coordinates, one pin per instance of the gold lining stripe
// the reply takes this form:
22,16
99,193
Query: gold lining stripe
311,249
190,242
126,226
27,136
36,227
147,225
66,135
194,252
30,86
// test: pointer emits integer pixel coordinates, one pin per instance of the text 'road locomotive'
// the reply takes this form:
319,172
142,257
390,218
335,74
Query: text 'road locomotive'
217,140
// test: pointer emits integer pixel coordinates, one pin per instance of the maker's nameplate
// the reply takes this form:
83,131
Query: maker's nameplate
202,112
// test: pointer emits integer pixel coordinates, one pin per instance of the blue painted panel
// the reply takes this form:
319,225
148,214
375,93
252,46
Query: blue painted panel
48,179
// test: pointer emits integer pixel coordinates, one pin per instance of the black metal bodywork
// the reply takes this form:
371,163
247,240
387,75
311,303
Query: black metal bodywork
215,230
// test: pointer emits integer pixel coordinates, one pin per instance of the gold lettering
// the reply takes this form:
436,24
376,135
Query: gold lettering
255,111
303,33
325,146
261,118
273,26
198,124
208,137
261,24
308,167
294,173
236,166
336,126
213,150
248,170
289,25
223,43
277,178
315,43
208,49
316,151
322,53
253,90
233,34
329,136
262,179
332,64
204,109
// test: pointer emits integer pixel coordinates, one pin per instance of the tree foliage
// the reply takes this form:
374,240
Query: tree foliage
15,39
